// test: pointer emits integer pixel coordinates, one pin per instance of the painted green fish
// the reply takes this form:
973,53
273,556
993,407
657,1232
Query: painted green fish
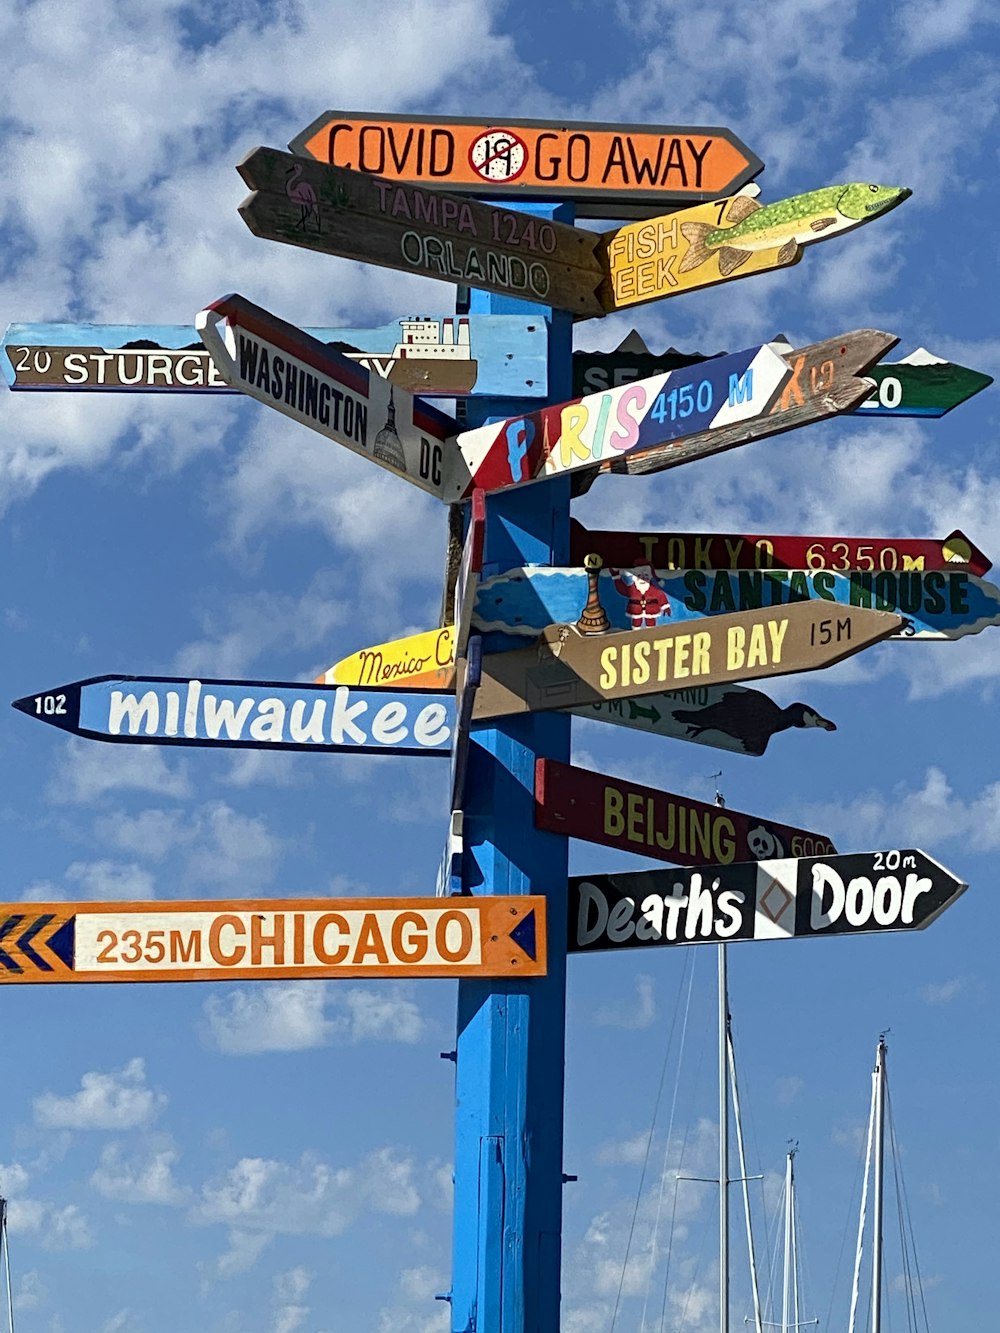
786,225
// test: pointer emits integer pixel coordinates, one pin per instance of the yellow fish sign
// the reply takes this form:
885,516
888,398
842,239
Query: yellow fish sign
698,247
426,660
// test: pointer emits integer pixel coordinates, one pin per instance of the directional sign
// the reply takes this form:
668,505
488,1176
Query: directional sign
248,714
420,660
727,717
918,385
934,604
921,385
469,571
730,550
272,939
726,394
826,379
632,818
783,899
280,365
435,355
566,669
420,229
611,171
731,238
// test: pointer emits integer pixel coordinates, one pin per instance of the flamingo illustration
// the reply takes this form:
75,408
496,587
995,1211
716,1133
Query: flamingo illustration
302,193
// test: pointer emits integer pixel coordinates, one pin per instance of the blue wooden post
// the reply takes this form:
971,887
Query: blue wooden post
511,1036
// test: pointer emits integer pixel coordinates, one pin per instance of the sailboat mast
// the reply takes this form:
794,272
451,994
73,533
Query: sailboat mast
5,1246
789,1217
878,1182
723,1142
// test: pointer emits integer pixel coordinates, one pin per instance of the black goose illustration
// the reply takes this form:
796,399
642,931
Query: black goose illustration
751,718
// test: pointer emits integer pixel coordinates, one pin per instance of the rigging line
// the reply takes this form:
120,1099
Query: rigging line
864,1206
774,1241
806,1284
734,1086
666,1275
682,1044
645,1160
843,1238
902,1193
5,1243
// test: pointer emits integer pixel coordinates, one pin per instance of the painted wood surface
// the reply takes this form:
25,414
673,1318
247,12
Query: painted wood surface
273,939
918,385
248,714
826,379
419,229
723,395
609,170
469,571
280,365
565,669
936,604
630,817
726,717
788,898
730,550
731,238
435,355
419,661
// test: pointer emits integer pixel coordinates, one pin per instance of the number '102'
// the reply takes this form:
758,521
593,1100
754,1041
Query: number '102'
50,705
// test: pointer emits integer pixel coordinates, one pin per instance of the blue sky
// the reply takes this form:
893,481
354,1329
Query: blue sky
276,1159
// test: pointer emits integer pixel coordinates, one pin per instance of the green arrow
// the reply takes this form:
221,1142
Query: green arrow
634,710
921,385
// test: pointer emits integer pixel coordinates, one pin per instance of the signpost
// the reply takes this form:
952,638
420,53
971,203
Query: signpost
826,379
728,717
285,368
420,660
730,238
420,229
632,818
730,550
782,899
272,939
609,171
727,394
435,355
918,385
933,604
248,714
568,670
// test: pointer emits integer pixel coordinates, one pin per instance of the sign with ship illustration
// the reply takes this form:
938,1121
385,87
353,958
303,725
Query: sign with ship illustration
731,238
763,899
420,229
248,714
727,717
933,604
918,385
272,939
569,669
609,170
728,394
632,818
730,550
280,365
434,355
826,379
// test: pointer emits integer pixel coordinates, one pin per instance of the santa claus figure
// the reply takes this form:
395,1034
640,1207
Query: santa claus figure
647,604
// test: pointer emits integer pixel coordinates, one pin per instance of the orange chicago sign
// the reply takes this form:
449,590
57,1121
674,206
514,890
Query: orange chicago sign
612,171
273,939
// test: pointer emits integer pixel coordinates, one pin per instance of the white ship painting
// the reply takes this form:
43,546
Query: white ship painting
431,353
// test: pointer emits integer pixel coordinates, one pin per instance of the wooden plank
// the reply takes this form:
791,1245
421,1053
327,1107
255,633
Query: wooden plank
248,714
730,550
419,230
419,661
784,899
434,355
273,939
281,366
662,412
933,604
826,379
726,717
633,818
469,571
730,238
568,670
609,170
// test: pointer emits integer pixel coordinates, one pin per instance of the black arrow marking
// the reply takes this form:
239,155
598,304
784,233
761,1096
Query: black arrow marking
523,934
6,961
24,941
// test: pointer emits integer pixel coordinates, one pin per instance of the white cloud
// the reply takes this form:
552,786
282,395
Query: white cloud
88,770
140,1179
639,1012
100,881
625,1152
290,1289
30,1292
788,1088
299,1015
943,992
117,1101
13,1179
120,1322
63,1228
245,1248
923,26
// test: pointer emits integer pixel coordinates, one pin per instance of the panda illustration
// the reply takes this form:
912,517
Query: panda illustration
763,844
